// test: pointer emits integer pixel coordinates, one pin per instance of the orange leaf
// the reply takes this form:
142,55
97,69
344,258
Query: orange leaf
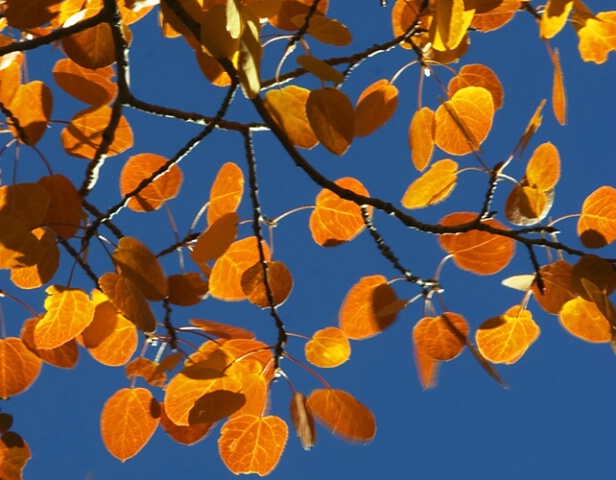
18,246
332,118
421,137
149,370
584,320
375,106
83,136
478,252
279,280
504,339
68,312
554,17
451,21
342,415
433,336
292,8
559,288
135,262
187,435
126,297
531,128
597,224
252,444
226,192
221,330
427,367
493,14
320,69
92,48
93,87
605,306
479,76
325,30
302,421
139,168
543,169
335,220
404,14
226,276
64,356
10,75
128,421
19,367
596,270
14,453
31,105
211,68
359,316
597,34
65,212
559,97
34,276
27,202
328,348
215,241
31,14
187,289
464,122
432,187
215,38
287,106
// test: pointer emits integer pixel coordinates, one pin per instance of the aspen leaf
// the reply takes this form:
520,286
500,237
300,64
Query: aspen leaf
543,169
84,134
493,14
335,220
126,297
463,123
264,8
597,224
522,282
65,213
226,192
31,105
234,350
215,37
557,278
221,330
252,444
64,356
478,75
186,289
451,21
215,241
554,17
27,202
504,339
187,434
478,252
302,421
18,246
359,316
139,168
226,277
597,34
92,48
342,415
148,370
559,97
432,187
135,262
583,319
10,75
427,367
433,336
328,348
19,367
527,205
249,71
603,303
421,137
279,279
68,312
404,14
290,9
320,69
212,69
128,421
332,118
93,87
325,30
254,388
6,422
287,106
14,453
595,269
375,107
31,14
531,128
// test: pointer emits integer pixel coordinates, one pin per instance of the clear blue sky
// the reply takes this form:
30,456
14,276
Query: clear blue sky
555,421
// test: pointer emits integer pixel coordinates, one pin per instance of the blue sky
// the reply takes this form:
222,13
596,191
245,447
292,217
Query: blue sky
556,419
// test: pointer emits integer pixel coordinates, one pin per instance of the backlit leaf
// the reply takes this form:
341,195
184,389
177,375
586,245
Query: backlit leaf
212,69
18,246
427,367
31,105
14,453
290,9
527,205
27,202
84,134
359,316
328,348
597,224
504,339
68,312
326,30
64,356
559,288
597,34
531,128
93,87
451,21
603,303
215,241
184,434
375,106
279,279
332,118
10,75
403,15
249,71
478,252
597,270
252,444
583,319
342,415
335,220
302,421
128,421
522,282
19,367
320,69
221,330
421,137
559,97
148,370
92,48
479,76
33,13
135,262
433,336
226,277
287,106
141,167
543,169
65,213
187,289
432,187
493,14
226,192
215,37
463,123
554,17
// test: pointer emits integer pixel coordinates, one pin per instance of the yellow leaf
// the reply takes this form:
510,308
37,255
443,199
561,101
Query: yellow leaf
559,98
320,69
326,30
432,187
328,348
597,224
597,34
332,118
554,17
451,21
421,137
